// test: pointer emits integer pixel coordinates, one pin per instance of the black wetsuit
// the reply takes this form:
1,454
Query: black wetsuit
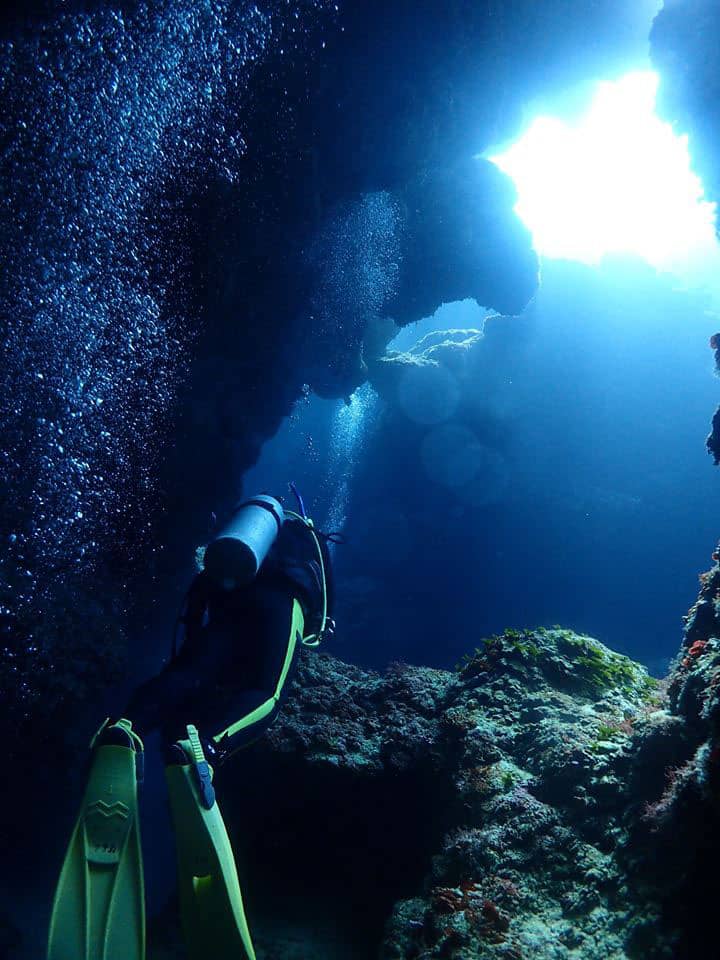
238,645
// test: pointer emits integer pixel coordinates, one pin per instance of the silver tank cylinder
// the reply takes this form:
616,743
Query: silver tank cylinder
235,556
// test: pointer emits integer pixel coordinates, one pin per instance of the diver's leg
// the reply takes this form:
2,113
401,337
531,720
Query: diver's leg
210,900
211,907
99,907
278,630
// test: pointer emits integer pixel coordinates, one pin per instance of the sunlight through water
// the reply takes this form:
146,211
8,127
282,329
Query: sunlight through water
617,180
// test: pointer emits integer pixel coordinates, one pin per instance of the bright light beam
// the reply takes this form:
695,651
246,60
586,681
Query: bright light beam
618,180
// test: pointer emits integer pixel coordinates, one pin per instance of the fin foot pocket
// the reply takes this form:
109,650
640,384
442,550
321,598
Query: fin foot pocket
211,906
99,907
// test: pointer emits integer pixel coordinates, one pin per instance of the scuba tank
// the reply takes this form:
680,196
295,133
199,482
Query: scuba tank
235,556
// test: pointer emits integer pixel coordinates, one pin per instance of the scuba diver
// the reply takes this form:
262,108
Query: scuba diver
265,589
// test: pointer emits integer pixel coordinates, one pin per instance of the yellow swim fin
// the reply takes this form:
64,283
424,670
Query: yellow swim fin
99,907
211,906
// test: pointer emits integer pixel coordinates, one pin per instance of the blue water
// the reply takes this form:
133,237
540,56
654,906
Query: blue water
589,507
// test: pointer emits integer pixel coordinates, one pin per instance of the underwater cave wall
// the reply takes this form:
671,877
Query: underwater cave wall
170,167
684,50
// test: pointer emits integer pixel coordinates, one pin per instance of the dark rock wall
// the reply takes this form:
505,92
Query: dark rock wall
682,837
685,812
684,49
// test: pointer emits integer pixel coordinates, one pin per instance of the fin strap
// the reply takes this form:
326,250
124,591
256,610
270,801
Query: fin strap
203,770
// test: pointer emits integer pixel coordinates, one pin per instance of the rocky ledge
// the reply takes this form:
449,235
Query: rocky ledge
508,809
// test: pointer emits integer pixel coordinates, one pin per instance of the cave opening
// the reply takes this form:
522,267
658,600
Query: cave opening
613,179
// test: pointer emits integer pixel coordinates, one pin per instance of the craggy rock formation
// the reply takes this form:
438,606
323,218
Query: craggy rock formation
712,441
713,438
486,813
684,815
449,350
456,224
683,48
447,373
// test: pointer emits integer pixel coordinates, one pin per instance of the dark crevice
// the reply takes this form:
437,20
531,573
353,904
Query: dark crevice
328,854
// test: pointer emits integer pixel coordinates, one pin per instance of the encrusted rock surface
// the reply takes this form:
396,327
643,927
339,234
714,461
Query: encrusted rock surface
683,762
536,754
